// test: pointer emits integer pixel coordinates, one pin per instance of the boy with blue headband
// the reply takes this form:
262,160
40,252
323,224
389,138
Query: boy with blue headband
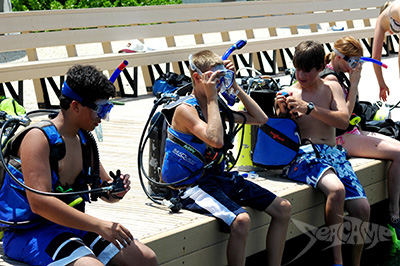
195,132
58,156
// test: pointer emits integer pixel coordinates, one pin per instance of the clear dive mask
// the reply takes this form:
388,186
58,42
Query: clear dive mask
226,79
226,76
351,61
101,108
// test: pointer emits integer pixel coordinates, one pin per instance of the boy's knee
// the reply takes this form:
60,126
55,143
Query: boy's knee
362,211
151,257
241,224
285,210
337,194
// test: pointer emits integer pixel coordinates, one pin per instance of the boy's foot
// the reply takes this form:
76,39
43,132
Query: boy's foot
394,227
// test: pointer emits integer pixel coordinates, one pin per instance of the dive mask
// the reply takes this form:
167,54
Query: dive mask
225,80
351,61
102,108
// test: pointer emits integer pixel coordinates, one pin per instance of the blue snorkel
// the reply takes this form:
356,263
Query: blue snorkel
117,71
237,46
230,98
372,60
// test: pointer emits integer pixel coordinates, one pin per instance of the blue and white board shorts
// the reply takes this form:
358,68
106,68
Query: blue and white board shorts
308,168
223,196
56,245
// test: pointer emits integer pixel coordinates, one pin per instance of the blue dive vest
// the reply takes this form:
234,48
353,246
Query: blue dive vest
14,205
184,153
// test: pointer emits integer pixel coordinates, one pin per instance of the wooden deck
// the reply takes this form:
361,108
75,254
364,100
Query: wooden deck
157,227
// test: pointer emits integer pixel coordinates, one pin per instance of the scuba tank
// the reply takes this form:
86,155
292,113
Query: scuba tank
245,140
157,137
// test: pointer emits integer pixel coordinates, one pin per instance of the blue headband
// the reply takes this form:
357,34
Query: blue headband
67,91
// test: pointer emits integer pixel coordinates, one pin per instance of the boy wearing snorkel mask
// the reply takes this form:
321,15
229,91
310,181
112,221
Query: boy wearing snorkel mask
215,192
54,155
388,21
319,107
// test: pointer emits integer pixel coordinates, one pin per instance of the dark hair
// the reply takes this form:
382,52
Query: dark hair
309,54
89,83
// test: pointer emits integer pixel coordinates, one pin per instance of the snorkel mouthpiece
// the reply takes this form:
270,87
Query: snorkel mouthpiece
240,44
237,46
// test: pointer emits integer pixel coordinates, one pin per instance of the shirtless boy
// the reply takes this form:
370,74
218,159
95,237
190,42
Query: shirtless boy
319,107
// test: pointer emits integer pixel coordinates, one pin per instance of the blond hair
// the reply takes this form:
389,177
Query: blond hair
205,60
346,46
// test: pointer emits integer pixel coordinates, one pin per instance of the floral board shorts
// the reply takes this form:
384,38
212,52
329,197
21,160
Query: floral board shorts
314,160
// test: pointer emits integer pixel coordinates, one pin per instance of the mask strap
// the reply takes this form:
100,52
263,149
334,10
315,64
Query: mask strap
67,91
192,65
345,57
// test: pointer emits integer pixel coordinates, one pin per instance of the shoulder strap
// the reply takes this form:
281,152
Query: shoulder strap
57,150
343,80
169,110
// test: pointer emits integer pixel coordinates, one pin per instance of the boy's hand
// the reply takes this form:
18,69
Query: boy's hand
115,233
210,80
230,65
280,102
286,102
121,185
127,186
297,106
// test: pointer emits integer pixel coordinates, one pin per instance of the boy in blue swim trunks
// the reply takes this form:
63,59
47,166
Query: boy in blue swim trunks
56,155
196,122
319,107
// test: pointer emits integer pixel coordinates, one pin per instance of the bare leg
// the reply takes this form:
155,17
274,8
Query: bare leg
135,254
237,241
279,210
358,208
374,145
89,260
334,191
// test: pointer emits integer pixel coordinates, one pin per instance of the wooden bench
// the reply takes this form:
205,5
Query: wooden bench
272,29
186,238
202,243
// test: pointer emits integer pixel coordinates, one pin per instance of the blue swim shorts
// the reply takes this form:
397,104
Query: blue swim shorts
308,168
53,244
223,196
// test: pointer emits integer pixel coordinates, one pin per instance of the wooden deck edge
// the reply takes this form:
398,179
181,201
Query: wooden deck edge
202,243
